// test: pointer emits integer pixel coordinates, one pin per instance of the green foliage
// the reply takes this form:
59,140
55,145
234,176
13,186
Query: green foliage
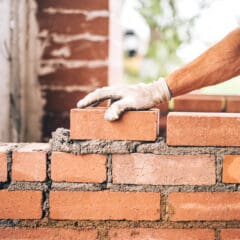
168,30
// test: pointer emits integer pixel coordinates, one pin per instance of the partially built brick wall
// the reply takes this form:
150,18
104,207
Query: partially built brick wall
184,186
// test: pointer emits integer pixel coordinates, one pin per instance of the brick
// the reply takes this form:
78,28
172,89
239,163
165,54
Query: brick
207,206
67,167
47,233
72,24
233,104
230,234
20,204
104,205
59,101
133,125
77,50
203,129
160,234
3,162
88,5
29,162
153,169
90,77
231,169
199,103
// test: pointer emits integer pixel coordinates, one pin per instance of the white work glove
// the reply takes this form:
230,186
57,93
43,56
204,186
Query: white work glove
136,97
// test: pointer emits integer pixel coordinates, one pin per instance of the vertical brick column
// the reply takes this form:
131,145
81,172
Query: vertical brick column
74,38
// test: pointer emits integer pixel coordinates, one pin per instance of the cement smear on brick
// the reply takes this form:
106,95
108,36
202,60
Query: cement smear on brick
61,142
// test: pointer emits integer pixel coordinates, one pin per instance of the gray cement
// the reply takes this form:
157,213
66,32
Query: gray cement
61,142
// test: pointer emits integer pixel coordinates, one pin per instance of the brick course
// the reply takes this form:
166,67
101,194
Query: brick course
158,169
47,233
104,205
20,204
206,206
68,167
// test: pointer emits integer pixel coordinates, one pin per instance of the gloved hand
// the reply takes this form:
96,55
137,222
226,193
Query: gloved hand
136,97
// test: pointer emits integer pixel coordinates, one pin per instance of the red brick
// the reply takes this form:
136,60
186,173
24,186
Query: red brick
74,4
78,168
203,129
83,76
231,169
233,104
59,101
77,50
105,205
72,24
47,233
20,204
163,169
230,234
29,162
210,206
199,103
3,163
160,234
133,125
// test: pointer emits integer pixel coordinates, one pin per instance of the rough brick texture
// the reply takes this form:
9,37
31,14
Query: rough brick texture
20,204
160,234
29,162
68,167
82,76
47,233
230,234
133,125
105,205
78,50
203,129
158,169
204,206
231,169
199,103
72,24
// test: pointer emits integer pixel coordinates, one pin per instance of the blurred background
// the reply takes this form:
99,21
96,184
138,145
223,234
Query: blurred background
54,52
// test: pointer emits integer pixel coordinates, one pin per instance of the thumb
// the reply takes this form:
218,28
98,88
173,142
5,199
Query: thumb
116,109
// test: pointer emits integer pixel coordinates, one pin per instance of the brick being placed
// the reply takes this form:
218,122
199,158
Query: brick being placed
133,125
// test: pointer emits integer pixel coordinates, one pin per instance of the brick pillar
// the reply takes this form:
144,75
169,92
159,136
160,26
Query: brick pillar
74,55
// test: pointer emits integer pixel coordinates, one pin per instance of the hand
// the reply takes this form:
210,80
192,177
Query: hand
136,97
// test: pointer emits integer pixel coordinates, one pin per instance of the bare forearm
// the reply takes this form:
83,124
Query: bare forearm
219,63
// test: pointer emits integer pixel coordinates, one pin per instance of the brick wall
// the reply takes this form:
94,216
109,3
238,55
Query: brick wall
184,186
74,38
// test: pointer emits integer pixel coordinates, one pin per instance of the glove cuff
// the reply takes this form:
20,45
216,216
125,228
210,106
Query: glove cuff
162,90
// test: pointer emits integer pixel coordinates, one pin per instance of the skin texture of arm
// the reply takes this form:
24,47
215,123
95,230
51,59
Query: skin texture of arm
218,64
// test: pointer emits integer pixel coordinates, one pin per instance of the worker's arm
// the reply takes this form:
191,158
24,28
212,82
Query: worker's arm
219,63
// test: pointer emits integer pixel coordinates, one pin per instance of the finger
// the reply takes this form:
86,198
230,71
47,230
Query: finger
97,96
116,109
